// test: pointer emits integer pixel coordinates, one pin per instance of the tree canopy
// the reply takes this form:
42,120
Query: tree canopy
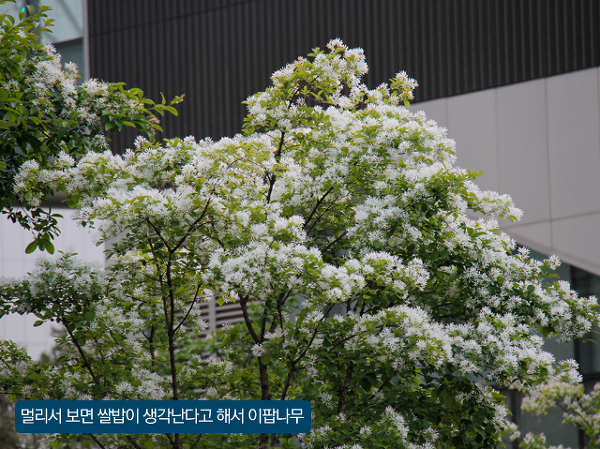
339,222
43,113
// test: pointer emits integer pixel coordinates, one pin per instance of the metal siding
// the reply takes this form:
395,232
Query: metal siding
219,52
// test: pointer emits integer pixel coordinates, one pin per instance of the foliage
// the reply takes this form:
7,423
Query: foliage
579,408
43,113
9,438
339,224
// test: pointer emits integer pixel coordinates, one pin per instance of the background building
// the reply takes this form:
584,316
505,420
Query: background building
68,38
516,82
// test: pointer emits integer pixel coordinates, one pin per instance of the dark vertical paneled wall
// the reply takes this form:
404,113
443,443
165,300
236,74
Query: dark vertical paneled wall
218,52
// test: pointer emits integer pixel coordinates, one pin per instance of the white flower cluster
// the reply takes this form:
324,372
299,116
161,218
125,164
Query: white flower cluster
345,225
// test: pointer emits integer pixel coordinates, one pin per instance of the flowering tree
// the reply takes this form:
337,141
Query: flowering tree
339,224
579,408
43,113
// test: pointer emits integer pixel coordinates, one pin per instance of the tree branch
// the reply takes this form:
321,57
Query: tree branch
133,443
83,357
345,387
192,226
248,321
319,201
342,235
189,309
297,359
277,157
100,445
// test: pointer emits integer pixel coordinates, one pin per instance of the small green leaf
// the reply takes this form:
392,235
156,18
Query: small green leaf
365,384
38,323
171,109
31,247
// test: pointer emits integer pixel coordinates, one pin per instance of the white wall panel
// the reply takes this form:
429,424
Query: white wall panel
523,148
537,236
539,141
472,124
574,143
435,110
577,241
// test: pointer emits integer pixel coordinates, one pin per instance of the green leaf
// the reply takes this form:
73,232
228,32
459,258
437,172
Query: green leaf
31,247
171,109
38,323
365,384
